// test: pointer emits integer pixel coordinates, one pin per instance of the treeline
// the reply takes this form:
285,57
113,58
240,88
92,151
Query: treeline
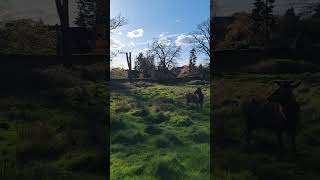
262,28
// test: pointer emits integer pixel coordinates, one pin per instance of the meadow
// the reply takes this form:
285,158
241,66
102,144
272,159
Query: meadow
155,135
232,159
53,123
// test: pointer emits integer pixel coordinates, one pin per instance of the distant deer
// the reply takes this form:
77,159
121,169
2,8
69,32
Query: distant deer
196,97
278,113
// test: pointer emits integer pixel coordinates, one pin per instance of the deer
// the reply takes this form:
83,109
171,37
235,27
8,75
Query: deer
279,113
195,97
291,108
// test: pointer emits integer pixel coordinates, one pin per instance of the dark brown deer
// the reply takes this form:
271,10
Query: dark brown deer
196,97
263,114
278,113
284,95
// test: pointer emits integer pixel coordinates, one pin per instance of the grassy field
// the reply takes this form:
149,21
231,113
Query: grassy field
55,130
155,135
232,160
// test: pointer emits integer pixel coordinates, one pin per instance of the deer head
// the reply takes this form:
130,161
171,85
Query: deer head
284,93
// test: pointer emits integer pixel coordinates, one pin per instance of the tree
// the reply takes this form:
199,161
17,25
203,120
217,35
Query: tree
129,62
117,22
63,12
202,37
239,33
258,15
269,18
144,65
192,60
311,9
262,15
27,37
166,51
86,13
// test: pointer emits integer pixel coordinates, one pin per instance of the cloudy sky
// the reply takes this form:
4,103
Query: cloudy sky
36,9
149,19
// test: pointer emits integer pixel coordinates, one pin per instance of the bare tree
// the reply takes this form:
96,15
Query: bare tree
117,21
311,8
166,51
63,12
202,37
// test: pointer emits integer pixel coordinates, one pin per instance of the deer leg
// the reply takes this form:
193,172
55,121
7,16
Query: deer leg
248,135
279,135
293,142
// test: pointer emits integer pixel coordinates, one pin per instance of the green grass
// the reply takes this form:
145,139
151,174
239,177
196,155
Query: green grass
53,132
155,135
261,161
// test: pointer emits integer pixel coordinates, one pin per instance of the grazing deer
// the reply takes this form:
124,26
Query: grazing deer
196,97
278,113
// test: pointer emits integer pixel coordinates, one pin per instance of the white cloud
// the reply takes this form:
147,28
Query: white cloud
145,49
116,44
119,33
184,40
164,40
178,21
135,33
163,34
145,42
132,44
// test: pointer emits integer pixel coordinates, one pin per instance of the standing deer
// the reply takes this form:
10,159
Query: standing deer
284,95
196,97
278,113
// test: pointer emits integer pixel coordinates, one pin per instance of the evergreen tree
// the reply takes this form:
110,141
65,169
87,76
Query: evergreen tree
258,15
144,65
262,15
86,13
269,18
192,60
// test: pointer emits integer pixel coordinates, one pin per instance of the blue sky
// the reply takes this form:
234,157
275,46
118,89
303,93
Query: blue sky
149,19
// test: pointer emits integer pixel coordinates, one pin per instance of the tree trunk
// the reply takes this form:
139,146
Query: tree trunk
128,55
63,12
